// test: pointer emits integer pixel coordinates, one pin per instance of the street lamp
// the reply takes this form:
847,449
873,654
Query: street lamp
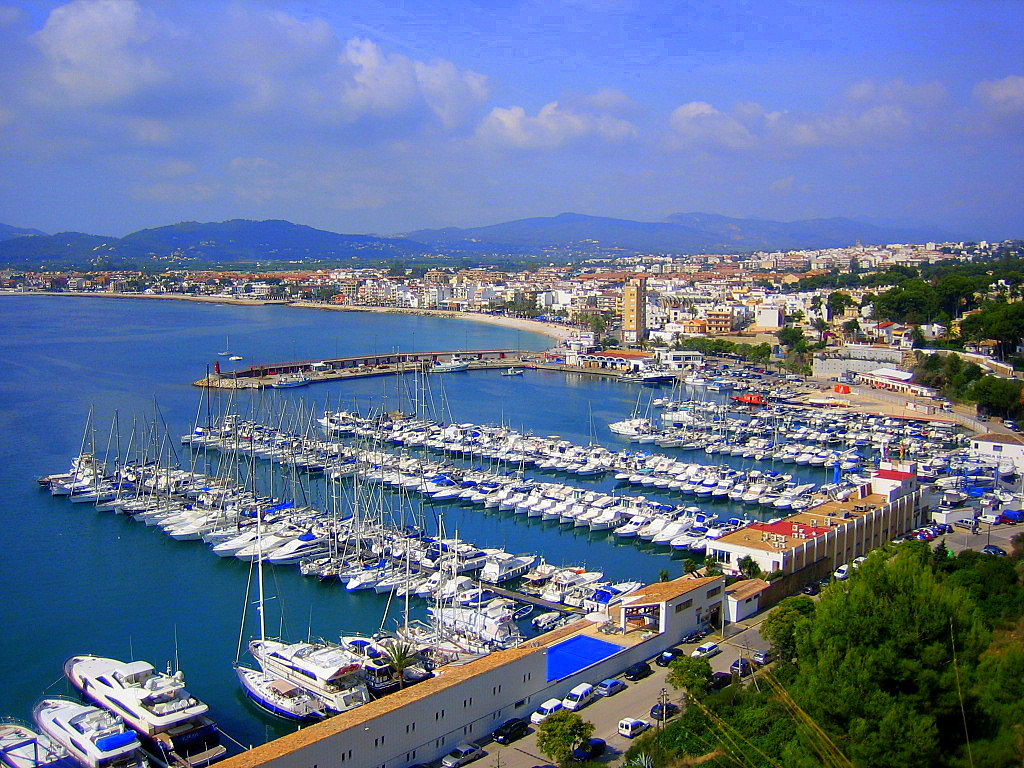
662,701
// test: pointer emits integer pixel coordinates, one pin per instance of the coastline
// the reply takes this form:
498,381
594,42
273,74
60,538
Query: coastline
557,332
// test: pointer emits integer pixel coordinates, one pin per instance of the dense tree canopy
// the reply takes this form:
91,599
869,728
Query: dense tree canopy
902,664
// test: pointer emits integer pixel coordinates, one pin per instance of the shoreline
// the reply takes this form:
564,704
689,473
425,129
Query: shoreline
557,332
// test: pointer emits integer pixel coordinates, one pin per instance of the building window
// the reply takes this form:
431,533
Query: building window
997,448
714,591
520,703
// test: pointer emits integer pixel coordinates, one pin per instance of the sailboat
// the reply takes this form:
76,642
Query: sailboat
227,348
272,693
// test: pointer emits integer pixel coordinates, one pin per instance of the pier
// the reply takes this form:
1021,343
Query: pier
356,366
523,597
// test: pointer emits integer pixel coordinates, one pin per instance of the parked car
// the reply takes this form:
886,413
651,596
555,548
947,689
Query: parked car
706,651
664,711
695,637
1011,516
638,671
545,710
858,561
741,667
811,589
609,687
842,572
579,697
511,730
992,549
720,680
1010,424
762,657
631,727
667,657
589,749
462,754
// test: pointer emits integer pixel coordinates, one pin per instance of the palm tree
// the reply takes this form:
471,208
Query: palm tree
401,655
820,326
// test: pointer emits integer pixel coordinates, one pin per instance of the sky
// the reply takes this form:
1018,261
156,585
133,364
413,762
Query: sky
387,117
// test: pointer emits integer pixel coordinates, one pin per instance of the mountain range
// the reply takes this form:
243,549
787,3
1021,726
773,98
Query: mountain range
678,233
243,240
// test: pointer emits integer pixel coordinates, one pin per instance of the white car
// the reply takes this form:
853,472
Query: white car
706,651
631,726
842,572
545,710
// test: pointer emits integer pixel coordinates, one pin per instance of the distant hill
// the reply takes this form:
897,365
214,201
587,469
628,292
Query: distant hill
679,233
7,232
238,240
245,240
61,248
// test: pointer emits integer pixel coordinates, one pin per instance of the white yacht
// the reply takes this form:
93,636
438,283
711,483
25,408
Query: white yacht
156,705
503,566
326,671
24,747
93,737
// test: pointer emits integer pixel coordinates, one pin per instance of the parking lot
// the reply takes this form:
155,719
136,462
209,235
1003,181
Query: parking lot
636,701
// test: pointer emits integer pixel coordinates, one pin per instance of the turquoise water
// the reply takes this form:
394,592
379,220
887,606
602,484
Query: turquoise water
80,581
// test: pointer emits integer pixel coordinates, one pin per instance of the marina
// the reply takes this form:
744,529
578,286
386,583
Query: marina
419,514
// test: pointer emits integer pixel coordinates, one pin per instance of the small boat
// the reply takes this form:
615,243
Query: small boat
456,364
93,737
279,697
289,380
236,357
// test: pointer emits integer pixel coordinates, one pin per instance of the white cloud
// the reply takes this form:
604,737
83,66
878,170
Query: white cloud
1002,97
610,100
700,124
148,131
93,49
175,168
782,185
553,126
249,163
451,94
170,192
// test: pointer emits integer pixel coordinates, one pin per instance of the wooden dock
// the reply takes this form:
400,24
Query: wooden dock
522,597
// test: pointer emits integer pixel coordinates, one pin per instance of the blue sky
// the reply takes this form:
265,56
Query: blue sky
390,116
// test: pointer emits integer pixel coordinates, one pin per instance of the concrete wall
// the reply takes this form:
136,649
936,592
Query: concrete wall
833,367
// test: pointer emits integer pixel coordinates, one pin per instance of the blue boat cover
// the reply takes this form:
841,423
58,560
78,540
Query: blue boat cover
115,741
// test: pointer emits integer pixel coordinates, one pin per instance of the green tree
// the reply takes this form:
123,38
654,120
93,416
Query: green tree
749,567
997,395
821,326
561,733
780,627
852,327
876,662
691,675
838,302
789,337
401,655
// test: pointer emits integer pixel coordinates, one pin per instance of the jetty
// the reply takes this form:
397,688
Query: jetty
357,366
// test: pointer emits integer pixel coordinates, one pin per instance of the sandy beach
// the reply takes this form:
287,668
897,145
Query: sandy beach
558,332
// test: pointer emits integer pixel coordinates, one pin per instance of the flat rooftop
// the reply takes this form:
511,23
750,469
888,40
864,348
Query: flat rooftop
802,526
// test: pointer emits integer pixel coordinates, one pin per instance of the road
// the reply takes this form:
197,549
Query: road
635,701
